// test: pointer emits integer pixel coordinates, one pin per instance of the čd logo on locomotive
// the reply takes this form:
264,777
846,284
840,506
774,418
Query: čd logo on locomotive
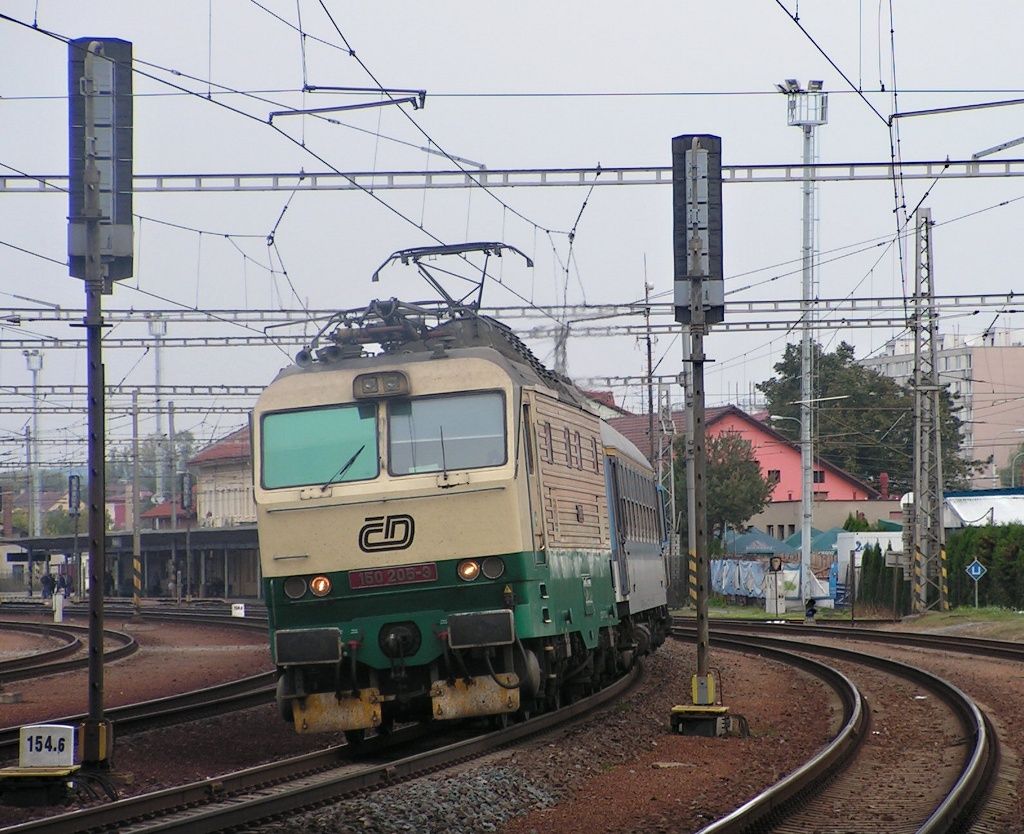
387,532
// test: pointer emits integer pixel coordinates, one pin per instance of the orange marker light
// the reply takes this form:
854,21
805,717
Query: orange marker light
320,586
468,570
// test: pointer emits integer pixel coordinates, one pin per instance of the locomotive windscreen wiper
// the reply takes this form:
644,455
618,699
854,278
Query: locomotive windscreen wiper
337,476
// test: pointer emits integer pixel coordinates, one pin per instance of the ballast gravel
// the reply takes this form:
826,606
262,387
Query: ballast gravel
472,801
618,770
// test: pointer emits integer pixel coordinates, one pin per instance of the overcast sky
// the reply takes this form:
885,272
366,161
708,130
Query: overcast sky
514,85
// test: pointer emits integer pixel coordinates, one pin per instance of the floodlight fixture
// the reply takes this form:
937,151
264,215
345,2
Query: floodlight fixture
34,360
807,108
157,325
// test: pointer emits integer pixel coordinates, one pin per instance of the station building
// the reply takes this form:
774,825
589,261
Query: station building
209,552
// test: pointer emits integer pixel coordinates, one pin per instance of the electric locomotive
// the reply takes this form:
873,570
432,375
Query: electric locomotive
446,528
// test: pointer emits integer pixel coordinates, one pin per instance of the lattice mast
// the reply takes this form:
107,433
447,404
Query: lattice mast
930,584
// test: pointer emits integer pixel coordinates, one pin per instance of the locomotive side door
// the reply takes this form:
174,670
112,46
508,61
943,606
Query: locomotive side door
533,476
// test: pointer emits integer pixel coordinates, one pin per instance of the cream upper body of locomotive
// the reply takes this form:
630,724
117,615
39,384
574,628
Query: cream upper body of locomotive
457,512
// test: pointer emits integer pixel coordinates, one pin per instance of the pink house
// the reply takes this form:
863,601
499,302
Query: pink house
780,461
837,493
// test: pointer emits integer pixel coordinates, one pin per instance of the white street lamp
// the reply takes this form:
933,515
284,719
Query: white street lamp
34,360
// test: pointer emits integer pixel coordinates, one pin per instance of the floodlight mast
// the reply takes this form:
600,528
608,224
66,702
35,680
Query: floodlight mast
807,109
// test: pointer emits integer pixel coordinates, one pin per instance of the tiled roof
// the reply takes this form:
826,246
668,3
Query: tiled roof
164,511
635,426
234,446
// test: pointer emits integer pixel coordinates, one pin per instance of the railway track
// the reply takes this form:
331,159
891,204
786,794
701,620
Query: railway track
960,644
50,662
130,718
768,810
302,782
69,640
847,785
119,609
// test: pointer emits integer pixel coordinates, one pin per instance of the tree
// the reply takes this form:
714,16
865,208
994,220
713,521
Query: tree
20,522
872,429
59,523
856,523
736,489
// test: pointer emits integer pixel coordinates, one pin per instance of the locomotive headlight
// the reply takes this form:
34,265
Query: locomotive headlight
492,567
320,586
294,587
468,570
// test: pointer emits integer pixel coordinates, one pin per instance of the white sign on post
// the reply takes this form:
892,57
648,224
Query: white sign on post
46,745
238,609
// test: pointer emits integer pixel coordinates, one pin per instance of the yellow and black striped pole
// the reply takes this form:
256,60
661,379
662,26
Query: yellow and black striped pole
943,580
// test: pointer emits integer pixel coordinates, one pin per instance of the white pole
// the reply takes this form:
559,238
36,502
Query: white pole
806,376
807,109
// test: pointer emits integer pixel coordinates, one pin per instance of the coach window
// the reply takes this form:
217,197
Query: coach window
437,434
319,446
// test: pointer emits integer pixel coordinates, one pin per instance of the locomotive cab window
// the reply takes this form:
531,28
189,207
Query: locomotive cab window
437,434
333,444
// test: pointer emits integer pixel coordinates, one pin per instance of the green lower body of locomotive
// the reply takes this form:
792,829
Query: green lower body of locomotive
446,648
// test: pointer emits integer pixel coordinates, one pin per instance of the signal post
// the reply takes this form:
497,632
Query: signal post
50,756
99,252
699,302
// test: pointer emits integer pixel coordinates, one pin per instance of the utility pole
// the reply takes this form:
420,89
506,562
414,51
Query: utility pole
650,372
158,329
136,528
172,457
807,109
561,349
75,511
666,477
930,588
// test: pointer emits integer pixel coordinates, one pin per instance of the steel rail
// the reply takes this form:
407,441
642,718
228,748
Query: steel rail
220,802
70,645
819,768
126,646
218,613
186,706
1003,649
971,784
